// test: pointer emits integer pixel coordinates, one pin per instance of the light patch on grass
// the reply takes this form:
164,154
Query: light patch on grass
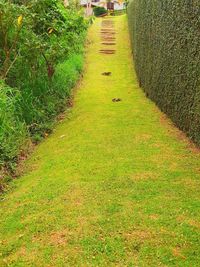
144,176
142,138
192,222
154,216
178,253
138,235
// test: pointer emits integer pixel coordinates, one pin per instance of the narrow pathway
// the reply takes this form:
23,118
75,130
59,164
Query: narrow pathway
115,184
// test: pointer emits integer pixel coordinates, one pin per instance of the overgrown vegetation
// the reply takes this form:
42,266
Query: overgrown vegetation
41,46
166,46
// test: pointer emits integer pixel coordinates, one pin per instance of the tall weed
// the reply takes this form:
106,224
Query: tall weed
13,132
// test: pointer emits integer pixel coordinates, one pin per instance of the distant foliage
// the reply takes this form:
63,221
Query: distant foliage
98,11
41,45
166,46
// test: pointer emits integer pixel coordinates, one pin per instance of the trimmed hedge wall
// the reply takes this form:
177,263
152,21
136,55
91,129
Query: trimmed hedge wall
165,36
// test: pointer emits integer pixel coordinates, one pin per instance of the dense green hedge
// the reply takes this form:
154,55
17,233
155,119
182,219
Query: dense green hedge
165,37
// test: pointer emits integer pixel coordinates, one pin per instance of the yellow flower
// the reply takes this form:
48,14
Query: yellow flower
19,20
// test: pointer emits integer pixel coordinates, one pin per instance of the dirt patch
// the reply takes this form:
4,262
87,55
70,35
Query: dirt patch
116,99
107,73
58,238
22,251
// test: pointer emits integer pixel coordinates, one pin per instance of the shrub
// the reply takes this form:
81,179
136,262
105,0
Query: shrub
98,11
166,48
39,107
41,54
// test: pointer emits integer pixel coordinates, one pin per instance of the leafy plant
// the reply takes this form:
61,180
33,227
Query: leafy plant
98,11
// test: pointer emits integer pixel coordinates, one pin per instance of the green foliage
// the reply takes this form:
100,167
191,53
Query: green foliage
41,46
46,35
47,98
12,128
166,48
98,11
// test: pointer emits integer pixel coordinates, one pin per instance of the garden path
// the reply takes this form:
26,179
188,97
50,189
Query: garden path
116,184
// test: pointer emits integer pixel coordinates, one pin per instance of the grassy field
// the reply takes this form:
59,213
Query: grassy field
115,184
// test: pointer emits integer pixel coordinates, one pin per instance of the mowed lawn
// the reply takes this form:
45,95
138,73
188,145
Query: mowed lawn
116,184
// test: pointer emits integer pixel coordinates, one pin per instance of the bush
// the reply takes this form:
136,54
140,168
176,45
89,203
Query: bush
41,57
98,11
44,99
166,48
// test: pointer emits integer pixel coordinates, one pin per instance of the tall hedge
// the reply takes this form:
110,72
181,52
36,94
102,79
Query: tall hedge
165,37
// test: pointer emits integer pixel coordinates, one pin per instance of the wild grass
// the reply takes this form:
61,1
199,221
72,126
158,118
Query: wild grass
13,132
30,111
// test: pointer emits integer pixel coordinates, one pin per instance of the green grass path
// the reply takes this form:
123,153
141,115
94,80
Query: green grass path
115,184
